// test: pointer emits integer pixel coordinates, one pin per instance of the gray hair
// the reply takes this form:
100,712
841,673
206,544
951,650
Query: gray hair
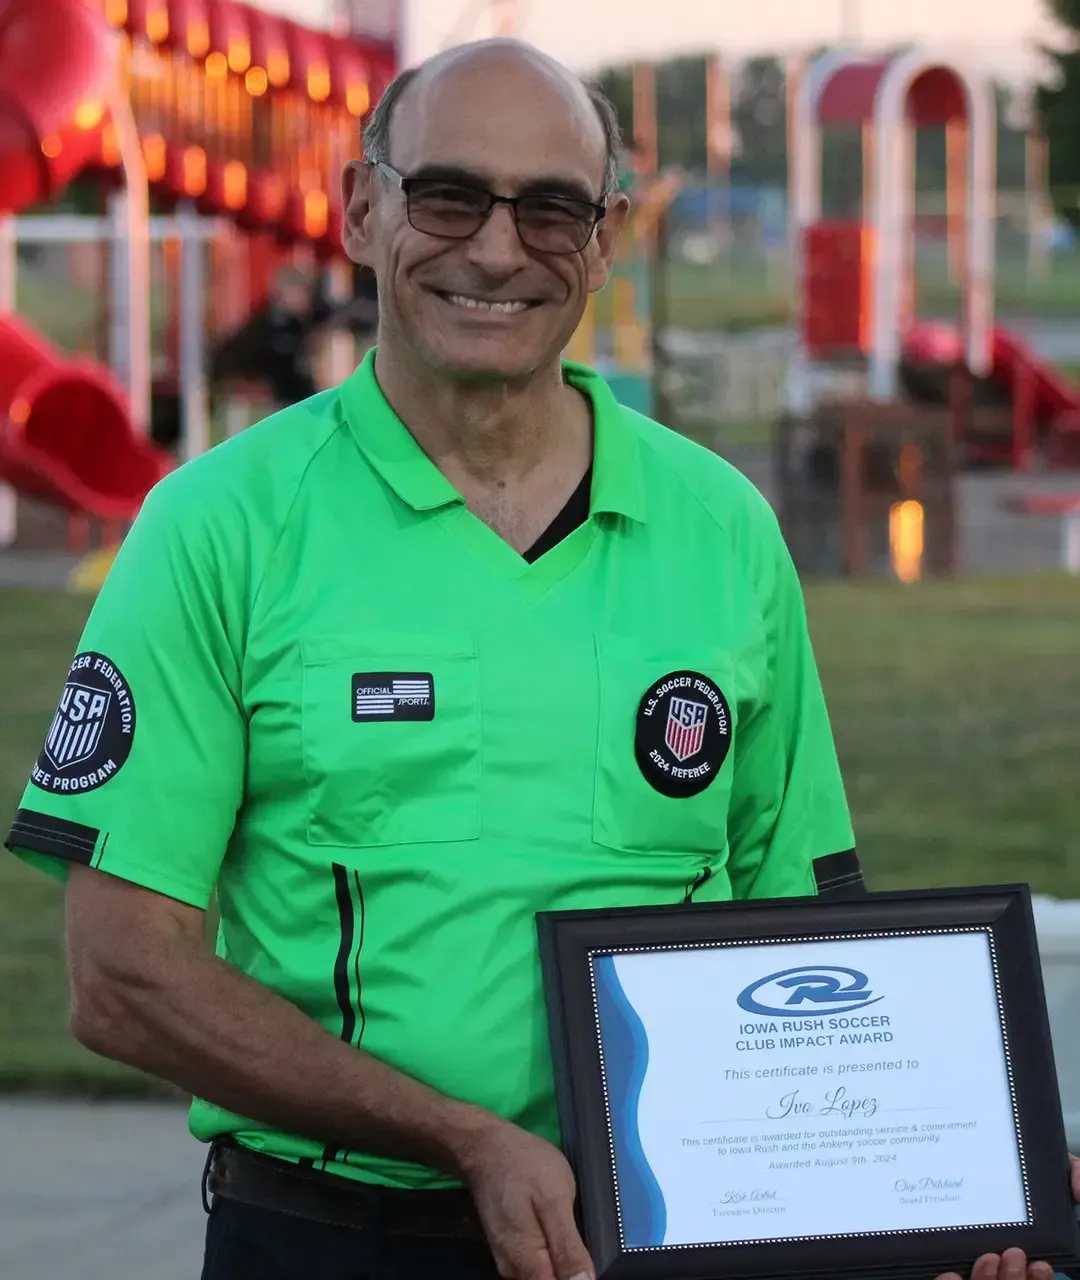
377,129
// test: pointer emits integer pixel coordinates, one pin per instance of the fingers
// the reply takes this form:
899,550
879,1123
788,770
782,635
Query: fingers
1040,1271
1014,1265
1074,1177
988,1267
569,1258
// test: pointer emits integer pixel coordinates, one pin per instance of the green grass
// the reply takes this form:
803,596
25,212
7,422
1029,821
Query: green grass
956,708
39,632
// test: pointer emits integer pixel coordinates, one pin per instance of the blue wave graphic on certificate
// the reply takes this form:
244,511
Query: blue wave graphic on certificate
626,1058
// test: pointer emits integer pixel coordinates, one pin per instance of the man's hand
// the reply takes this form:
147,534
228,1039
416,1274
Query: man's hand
1013,1263
524,1192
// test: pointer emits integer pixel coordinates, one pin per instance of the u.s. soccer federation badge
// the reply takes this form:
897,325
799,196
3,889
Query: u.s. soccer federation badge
683,733
92,731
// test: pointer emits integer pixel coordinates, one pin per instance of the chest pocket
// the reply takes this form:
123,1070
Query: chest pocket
665,749
384,765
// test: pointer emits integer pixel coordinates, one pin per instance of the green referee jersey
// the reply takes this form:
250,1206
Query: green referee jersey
314,681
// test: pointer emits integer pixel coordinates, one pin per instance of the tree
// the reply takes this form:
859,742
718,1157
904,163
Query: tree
1058,105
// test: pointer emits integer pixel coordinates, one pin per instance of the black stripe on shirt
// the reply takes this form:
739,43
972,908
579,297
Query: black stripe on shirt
347,926
839,876
42,833
351,931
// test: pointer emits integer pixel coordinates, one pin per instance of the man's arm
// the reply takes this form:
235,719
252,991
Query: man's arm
789,829
146,991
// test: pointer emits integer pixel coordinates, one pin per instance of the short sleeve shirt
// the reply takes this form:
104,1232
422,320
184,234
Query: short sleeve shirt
316,684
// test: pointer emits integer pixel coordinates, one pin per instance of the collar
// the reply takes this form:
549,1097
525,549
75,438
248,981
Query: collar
392,449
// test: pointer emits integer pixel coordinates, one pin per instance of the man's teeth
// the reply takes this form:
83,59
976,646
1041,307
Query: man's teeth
503,308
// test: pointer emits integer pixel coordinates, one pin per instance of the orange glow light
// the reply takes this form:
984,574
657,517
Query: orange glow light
239,54
88,115
51,146
235,185
198,38
273,196
358,99
318,84
19,413
153,146
194,171
217,66
157,24
906,540
256,82
316,214
277,68
110,147
116,12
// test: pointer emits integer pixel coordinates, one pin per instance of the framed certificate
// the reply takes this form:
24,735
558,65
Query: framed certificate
802,1088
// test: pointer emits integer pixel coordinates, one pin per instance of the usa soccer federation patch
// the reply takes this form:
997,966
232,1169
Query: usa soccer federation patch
392,695
683,733
92,731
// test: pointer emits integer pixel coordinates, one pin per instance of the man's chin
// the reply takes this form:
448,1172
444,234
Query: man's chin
483,364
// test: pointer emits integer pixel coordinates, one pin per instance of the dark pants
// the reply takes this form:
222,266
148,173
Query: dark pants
244,1243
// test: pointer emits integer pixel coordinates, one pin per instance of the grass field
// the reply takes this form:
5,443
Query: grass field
956,708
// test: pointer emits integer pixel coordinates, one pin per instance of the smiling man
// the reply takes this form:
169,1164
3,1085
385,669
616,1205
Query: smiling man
457,642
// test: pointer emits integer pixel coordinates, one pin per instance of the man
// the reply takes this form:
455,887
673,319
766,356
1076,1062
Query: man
382,673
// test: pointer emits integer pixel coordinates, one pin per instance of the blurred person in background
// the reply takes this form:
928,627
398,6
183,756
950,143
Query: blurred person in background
276,347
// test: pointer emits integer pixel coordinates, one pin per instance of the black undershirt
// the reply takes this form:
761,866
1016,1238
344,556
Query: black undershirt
575,513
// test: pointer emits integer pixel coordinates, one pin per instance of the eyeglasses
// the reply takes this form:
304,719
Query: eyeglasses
457,211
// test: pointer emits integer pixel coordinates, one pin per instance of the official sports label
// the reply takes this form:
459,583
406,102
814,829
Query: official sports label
683,733
393,695
92,731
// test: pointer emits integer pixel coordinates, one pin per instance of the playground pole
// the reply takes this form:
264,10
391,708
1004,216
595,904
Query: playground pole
646,129
195,417
9,265
132,249
718,128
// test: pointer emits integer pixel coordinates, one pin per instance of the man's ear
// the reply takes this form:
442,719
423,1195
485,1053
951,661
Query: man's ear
356,199
605,245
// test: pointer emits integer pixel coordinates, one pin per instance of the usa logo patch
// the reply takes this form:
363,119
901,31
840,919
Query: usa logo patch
91,733
683,733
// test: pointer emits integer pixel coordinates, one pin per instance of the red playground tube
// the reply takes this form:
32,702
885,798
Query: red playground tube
65,431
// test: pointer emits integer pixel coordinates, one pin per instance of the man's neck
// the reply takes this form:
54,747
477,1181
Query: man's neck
515,451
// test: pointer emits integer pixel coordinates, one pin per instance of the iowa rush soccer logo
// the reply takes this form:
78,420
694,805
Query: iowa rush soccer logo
683,733
92,731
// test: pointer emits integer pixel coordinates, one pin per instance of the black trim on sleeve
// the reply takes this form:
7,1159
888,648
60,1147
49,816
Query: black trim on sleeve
42,833
839,876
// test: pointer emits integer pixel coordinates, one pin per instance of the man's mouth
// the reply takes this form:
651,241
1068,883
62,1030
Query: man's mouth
511,307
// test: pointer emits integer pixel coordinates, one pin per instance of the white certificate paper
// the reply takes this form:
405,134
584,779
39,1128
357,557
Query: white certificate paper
796,1089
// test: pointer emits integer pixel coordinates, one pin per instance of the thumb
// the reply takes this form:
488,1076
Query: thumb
569,1258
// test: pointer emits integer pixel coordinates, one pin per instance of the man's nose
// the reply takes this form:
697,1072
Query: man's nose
497,245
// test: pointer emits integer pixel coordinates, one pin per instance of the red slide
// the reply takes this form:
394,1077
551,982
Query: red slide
65,428
65,431
1045,404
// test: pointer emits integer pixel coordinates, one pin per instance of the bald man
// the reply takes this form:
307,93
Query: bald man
380,675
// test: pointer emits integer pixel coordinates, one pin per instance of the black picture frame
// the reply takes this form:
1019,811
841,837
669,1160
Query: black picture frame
568,941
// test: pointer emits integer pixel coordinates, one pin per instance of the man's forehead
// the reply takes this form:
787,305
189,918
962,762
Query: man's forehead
498,112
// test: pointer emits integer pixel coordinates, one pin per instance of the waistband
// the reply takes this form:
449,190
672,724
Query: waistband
265,1182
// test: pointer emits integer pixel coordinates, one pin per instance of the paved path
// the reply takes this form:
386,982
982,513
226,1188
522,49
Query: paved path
99,1192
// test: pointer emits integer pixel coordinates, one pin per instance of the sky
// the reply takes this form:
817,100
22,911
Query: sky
587,34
